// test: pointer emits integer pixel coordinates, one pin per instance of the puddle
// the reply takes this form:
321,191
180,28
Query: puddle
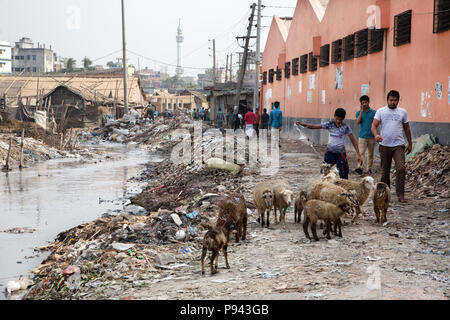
54,196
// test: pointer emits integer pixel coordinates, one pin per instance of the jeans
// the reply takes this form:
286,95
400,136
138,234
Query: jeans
340,160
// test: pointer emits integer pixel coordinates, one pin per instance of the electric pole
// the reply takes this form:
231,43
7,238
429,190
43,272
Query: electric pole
214,61
124,63
231,67
245,55
258,58
226,70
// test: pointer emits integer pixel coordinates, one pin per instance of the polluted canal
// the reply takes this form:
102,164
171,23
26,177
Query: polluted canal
39,202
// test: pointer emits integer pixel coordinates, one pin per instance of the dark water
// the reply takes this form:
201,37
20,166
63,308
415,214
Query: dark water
57,195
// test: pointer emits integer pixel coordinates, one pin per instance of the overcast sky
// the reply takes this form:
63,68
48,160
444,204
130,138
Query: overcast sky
92,28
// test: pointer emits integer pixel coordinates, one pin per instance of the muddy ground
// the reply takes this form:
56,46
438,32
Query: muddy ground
406,259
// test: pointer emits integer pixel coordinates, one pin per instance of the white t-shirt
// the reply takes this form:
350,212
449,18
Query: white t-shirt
391,125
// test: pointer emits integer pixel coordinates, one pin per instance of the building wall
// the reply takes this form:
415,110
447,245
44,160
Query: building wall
32,60
5,57
418,70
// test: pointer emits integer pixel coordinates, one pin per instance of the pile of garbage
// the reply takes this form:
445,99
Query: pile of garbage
114,247
428,172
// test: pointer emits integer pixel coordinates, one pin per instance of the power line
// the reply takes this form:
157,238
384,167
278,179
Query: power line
161,62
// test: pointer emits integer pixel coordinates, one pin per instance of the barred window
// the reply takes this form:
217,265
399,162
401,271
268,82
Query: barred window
304,63
441,19
264,80
349,47
279,74
376,39
271,74
336,51
287,70
295,66
402,28
324,56
312,62
362,42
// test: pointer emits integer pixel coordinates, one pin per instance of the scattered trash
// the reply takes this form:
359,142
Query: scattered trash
373,259
70,270
176,219
192,215
122,246
17,285
268,274
221,164
187,250
192,231
313,295
180,235
19,230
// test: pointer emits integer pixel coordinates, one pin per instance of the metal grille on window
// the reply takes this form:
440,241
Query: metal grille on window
304,63
349,47
376,39
264,81
271,74
279,74
324,55
295,66
287,70
441,21
362,42
336,51
402,28
312,62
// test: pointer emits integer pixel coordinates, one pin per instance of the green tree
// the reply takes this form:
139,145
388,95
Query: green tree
71,64
86,63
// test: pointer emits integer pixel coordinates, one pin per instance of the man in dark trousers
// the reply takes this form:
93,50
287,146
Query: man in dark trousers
265,120
393,121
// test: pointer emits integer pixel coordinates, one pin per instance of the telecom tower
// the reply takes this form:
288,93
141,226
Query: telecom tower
180,40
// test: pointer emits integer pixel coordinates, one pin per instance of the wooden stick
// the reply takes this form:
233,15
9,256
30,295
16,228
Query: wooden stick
21,149
6,167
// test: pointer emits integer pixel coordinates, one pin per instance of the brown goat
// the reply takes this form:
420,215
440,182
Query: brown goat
300,202
263,198
381,199
217,239
234,208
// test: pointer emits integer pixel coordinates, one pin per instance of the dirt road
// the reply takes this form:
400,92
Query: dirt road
406,259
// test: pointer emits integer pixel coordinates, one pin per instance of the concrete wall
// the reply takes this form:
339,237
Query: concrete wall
44,60
415,69
5,57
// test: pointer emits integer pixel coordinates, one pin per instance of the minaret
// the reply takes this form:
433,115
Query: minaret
180,40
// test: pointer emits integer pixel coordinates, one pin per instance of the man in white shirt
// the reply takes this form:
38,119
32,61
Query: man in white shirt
393,121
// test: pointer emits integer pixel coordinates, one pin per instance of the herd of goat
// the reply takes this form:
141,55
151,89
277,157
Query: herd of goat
328,201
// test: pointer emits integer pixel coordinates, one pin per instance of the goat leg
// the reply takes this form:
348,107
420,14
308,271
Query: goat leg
226,256
203,259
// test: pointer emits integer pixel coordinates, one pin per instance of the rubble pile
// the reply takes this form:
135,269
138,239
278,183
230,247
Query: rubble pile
173,185
428,172
113,247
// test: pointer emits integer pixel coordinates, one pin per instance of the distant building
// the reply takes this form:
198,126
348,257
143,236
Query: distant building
151,80
60,63
5,57
204,80
30,60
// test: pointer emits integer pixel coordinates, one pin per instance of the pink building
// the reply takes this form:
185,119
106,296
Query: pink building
328,59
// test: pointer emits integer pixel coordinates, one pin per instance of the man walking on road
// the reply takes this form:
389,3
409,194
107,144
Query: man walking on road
364,118
265,120
276,119
393,121
256,124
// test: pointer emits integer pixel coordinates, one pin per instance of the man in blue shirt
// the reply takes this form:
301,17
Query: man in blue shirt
364,118
276,118
338,130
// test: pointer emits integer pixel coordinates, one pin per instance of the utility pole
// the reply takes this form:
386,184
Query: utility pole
214,62
231,67
226,70
258,58
124,63
244,59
